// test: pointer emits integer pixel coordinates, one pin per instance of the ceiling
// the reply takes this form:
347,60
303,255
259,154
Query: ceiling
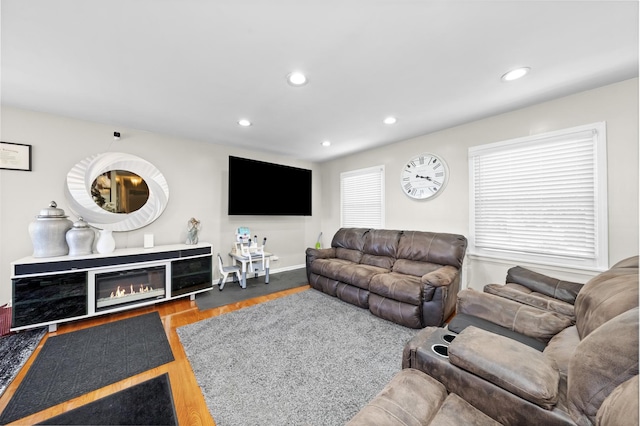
193,68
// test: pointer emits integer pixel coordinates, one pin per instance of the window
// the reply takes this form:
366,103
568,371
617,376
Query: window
542,198
362,198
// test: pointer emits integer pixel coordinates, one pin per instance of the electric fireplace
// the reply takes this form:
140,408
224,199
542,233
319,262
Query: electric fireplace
124,287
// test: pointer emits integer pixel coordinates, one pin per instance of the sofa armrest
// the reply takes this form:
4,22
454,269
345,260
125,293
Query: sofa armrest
313,254
440,277
514,367
528,320
562,290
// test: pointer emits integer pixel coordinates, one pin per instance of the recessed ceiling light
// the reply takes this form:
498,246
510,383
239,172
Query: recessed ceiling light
244,122
516,74
390,120
326,143
296,78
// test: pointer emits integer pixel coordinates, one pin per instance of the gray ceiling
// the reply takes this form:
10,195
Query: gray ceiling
192,68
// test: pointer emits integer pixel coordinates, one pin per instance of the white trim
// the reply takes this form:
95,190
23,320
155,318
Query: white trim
599,259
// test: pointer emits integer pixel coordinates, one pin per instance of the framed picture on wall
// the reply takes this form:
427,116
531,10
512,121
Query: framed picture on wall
15,156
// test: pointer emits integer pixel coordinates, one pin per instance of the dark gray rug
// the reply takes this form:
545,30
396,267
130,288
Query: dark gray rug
232,292
15,350
147,403
75,363
304,359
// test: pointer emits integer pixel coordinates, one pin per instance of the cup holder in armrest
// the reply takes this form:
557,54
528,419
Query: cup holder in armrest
441,350
448,337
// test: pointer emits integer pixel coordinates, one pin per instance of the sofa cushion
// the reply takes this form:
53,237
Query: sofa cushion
508,364
351,255
380,247
527,296
411,398
414,267
604,297
455,411
329,267
400,287
348,272
349,238
603,360
621,407
561,348
461,321
515,316
539,283
438,248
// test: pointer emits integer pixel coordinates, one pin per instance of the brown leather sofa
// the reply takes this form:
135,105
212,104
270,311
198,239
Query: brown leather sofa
586,373
408,277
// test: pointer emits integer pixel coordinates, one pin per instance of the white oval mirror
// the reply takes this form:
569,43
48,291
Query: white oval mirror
80,182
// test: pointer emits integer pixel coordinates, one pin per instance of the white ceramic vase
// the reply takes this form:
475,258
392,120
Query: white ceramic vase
106,243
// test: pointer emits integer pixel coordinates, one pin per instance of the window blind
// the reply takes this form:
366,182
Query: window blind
543,196
362,198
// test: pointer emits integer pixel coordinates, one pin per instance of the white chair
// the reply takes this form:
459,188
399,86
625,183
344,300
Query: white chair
225,271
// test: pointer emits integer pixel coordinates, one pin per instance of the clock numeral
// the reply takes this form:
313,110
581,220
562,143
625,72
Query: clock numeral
406,179
411,164
413,192
439,174
421,160
437,183
408,187
437,166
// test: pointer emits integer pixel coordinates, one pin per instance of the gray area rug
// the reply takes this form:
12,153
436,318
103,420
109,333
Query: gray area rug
75,363
15,350
232,292
304,359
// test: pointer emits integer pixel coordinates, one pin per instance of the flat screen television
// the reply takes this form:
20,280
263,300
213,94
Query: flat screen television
267,189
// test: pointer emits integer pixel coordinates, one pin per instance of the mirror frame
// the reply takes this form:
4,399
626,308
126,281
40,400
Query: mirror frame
81,203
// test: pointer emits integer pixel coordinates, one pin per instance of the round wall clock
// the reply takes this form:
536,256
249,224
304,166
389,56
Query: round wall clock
424,176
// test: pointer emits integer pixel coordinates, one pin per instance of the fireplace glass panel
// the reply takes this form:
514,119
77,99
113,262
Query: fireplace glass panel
190,275
129,286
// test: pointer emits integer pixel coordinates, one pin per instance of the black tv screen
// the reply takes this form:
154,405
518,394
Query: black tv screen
267,189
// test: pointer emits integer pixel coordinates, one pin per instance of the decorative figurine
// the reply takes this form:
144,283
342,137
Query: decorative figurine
193,226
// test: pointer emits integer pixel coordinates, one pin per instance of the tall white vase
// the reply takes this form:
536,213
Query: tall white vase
106,243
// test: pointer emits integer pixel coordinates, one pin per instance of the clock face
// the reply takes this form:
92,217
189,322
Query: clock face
424,176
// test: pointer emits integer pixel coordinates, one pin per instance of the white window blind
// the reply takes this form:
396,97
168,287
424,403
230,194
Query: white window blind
362,198
542,198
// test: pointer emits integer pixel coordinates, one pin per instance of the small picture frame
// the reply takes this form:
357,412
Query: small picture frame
15,156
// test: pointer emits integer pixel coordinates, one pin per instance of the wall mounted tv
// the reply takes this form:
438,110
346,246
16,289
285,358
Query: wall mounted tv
267,189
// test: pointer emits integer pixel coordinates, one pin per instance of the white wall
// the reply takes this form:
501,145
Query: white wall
616,104
197,174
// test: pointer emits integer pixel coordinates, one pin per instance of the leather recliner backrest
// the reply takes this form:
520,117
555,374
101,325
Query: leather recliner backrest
349,242
380,247
602,361
604,297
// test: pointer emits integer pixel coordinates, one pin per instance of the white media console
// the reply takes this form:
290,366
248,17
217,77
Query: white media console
48,291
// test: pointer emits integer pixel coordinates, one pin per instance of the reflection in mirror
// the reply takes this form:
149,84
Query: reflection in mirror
119,191
80,191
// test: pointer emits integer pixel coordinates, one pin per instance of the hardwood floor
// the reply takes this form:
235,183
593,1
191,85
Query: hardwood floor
189,401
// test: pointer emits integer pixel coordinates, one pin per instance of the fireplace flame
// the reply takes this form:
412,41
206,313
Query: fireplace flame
121,292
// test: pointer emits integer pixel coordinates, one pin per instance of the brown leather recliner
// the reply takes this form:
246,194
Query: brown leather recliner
567,383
